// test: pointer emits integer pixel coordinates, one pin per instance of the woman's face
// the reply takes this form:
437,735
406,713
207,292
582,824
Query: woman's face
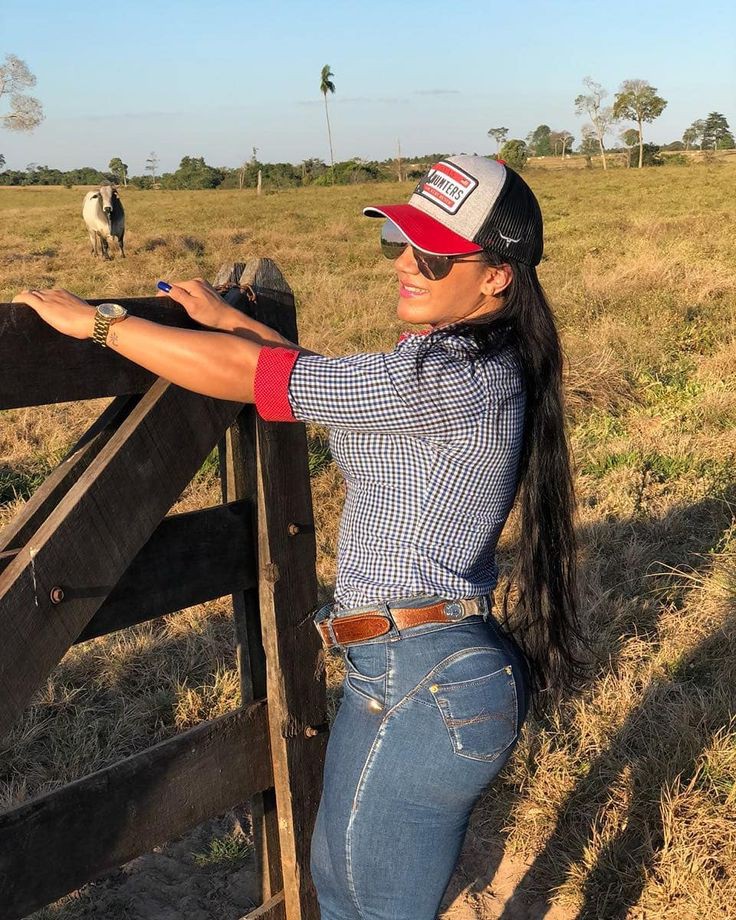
471,291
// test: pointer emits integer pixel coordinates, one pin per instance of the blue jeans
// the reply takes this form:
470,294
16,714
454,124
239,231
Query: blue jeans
428,718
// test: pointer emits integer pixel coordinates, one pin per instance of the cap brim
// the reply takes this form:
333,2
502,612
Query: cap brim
424,231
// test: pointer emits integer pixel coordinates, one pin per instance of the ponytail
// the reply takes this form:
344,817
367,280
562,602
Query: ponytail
539,604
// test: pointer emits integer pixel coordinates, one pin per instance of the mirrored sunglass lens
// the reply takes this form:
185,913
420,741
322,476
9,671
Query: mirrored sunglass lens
393,241
433,267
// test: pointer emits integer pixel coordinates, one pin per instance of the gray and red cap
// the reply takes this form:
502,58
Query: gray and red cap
465,204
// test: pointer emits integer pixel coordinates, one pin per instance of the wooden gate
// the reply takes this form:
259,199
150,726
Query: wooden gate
94,551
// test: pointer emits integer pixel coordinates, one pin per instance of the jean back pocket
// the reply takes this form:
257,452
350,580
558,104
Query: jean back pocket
481,715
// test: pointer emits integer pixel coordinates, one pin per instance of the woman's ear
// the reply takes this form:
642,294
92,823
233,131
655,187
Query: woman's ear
497,279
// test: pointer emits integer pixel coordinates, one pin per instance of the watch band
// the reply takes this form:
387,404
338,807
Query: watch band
107,314
101,330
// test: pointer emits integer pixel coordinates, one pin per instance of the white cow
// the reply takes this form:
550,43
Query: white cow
105,219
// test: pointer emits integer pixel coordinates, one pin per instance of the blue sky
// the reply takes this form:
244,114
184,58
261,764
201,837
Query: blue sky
216,78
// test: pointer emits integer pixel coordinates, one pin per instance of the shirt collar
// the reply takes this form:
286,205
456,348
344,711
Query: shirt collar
408,335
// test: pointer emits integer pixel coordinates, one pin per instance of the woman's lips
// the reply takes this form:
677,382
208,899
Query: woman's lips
408,290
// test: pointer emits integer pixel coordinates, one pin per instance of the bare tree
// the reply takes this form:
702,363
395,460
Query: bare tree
499,135
152,166
566,139
601,116
26,112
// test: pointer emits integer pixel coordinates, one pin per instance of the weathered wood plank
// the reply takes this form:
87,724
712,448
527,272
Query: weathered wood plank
57,842
288,591
55,486
238,468
272,909
78,370
95,532
191,558
297,703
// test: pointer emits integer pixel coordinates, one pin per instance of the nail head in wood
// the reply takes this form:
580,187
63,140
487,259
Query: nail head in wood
56,595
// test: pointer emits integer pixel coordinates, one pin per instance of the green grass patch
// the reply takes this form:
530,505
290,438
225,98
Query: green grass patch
320,455
662,467
670,385
21,483
233,849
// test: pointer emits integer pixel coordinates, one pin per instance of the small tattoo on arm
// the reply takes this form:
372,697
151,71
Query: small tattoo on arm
113,338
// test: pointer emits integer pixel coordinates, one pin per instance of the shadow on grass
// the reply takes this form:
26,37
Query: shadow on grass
665,734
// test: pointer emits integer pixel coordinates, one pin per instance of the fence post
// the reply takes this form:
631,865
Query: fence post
288,591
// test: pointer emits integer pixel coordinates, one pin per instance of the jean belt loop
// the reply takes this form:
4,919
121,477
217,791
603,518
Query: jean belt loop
394,629
485,606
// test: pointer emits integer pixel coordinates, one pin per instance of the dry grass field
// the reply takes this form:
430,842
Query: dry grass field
622,804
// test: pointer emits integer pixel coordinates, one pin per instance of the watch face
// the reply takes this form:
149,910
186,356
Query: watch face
111,310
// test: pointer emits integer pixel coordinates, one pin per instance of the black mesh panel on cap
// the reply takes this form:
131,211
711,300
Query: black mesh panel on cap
514,229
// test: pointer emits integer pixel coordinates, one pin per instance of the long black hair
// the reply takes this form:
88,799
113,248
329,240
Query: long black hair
539,604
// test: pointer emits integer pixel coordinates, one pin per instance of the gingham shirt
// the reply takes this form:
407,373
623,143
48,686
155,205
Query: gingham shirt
430,461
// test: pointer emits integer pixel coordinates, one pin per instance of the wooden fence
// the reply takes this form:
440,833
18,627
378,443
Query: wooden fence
94,551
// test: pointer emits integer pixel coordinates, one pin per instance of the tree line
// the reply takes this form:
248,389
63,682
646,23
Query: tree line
636,101
195,173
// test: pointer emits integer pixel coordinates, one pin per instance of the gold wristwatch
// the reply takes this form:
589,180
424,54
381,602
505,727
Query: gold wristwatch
107,315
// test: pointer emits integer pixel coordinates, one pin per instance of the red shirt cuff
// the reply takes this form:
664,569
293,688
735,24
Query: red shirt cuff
271,384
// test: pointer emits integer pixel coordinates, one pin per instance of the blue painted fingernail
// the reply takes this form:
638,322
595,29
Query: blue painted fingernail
163,286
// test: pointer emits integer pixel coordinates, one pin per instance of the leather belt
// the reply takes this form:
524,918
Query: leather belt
348,629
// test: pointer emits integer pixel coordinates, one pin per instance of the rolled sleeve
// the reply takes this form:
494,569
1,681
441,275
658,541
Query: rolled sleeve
271,384
387,393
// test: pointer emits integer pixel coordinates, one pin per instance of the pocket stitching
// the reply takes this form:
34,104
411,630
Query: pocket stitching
351,673
475,680
450,724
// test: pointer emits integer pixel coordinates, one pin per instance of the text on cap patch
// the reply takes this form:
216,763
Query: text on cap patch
447,186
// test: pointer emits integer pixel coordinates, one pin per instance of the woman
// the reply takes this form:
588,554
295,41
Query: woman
436,440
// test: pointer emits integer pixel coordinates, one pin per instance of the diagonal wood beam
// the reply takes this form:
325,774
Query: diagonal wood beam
62,478
87,543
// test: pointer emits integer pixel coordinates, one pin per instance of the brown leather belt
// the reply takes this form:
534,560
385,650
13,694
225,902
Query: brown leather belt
370,624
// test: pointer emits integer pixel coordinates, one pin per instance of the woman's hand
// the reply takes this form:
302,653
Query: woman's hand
63,311
200,300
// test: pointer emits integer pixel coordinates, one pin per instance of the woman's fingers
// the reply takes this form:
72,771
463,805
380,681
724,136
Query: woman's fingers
66,312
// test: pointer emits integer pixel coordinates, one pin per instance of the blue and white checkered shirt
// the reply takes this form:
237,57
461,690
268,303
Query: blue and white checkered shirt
430,461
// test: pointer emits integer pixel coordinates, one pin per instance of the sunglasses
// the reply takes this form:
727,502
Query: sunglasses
435,268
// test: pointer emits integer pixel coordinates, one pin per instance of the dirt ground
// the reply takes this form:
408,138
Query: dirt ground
172,884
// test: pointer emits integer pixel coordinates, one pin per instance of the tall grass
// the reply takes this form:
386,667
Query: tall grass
624,803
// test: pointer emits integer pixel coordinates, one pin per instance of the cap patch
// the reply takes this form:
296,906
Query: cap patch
447,186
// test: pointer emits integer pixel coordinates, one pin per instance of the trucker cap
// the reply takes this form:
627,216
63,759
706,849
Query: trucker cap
466,204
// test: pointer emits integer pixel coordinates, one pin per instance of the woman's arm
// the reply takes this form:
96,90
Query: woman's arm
211,363
207,307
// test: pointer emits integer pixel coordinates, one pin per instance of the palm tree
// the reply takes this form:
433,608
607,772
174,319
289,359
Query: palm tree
327,86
